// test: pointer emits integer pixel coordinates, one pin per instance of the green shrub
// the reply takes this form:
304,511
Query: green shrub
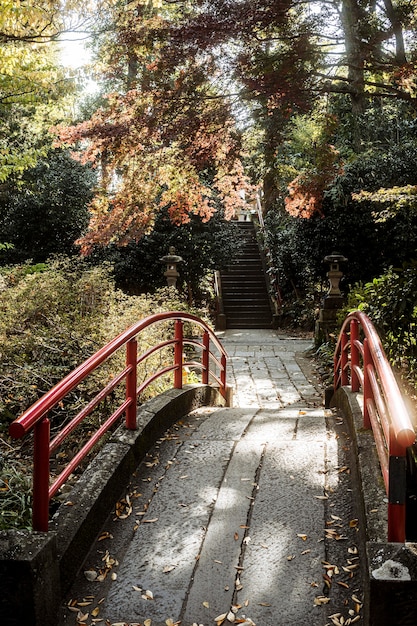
53,317
390,301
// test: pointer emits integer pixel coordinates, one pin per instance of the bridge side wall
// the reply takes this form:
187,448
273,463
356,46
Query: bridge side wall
390,569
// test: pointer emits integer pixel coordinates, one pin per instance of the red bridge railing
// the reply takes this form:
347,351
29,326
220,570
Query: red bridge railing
360,362
212,366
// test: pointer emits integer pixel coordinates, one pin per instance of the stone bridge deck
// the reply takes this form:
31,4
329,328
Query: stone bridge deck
241,515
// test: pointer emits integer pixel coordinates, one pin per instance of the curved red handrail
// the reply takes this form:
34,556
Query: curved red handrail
403,430
28,419
363,364
36,416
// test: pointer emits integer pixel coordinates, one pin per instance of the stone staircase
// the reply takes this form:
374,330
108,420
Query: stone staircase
245,297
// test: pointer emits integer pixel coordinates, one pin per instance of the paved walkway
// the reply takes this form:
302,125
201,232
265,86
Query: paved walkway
242,515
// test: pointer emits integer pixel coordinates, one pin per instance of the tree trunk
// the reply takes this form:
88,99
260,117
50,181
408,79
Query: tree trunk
351,16
400,56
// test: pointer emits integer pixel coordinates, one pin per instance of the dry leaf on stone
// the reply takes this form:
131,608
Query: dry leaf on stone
105,535
320,600
302,536
147,622
123,508
168,568
82,617
220,619
90,575
148,595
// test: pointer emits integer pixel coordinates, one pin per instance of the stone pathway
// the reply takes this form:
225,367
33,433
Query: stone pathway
243,515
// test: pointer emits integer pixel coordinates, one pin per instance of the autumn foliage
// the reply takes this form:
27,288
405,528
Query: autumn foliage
306,191
167,137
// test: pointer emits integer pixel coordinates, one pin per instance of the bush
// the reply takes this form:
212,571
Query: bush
53,317
204,247
390,300
47,210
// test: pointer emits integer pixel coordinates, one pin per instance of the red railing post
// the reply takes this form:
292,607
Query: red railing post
367,389
131,383
354,355
205,358
178,351
344,377
40,511
223,375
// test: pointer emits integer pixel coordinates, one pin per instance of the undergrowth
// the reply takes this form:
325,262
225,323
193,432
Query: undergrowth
53,317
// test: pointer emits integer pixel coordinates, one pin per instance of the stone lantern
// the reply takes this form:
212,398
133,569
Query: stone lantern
334,274
171,261
332,301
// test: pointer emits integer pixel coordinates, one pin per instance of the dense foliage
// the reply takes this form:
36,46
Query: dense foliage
46,211
390,300
54,316
203,247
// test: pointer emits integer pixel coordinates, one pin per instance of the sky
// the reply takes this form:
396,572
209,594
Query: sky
73,51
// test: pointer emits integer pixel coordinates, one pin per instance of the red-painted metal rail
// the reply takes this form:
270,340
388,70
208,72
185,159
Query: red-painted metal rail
212,367
360,362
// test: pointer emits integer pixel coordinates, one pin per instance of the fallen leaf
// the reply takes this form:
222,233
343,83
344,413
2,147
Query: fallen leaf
290,557
147,622
220,619
236,536
82,617
168,568
319,600
353,523
90,575
105,535
231,617
148,595
150,521
136,588
302,536
206,605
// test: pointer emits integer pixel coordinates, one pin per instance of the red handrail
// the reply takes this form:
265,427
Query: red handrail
36,417
363,364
